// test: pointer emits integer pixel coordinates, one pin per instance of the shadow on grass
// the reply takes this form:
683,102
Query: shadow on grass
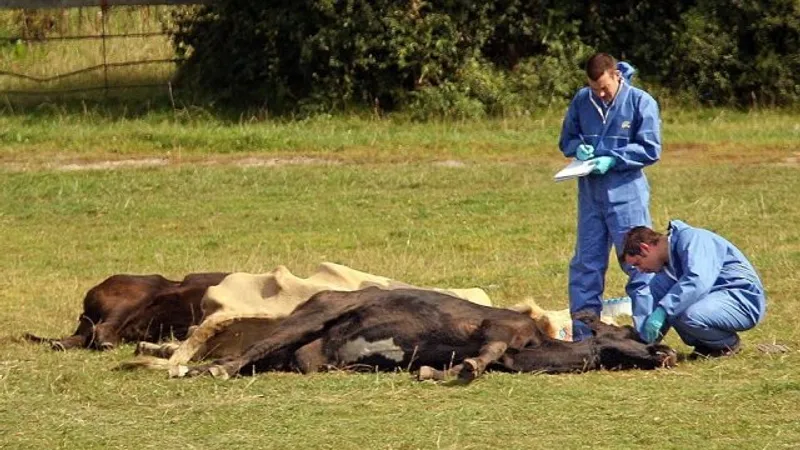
119,103
155,102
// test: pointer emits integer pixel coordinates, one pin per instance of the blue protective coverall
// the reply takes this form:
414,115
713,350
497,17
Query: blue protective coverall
708,288
611,204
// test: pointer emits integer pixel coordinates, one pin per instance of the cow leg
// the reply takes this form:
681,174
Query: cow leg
429,373
629,354
58,344
590,354
223,368
310,357
268,354
474,367
80,338
468,370
553,357
498,338
67,343
105,336
301,327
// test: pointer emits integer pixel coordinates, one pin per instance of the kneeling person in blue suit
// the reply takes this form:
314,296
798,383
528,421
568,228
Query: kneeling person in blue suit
703,286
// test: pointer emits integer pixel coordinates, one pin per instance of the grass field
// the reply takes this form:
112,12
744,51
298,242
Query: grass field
88,194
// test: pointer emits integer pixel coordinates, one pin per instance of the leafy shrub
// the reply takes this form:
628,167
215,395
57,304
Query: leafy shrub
482,88
326,52
744,52
446,101
460,58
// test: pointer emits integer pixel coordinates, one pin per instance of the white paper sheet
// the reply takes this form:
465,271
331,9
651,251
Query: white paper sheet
575,169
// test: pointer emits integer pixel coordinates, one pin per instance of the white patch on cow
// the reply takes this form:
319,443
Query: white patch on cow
360,348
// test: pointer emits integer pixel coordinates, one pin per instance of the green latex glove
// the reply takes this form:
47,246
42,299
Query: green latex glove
651,330
584,152
603,164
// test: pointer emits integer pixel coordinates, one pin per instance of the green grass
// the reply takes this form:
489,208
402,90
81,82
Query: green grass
388,206
54,132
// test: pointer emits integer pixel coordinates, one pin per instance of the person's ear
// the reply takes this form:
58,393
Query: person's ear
645,249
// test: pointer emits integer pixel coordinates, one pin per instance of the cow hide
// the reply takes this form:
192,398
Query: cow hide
243,308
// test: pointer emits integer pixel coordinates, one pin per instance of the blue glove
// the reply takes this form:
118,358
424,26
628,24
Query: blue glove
603,164
584,152
651,330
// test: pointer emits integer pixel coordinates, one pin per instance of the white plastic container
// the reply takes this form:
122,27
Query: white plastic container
615,307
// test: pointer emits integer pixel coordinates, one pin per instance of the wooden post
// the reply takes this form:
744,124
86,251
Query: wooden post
104,11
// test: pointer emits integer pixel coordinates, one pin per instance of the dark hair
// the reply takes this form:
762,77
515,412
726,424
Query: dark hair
634,238
599,64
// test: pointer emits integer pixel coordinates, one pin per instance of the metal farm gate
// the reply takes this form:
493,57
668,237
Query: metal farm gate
42,23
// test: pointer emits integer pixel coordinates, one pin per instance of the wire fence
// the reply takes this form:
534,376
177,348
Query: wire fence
84,49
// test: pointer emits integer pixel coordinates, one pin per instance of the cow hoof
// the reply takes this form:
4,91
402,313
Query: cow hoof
145,348
178,371
668,359
105,346
429,373
425,373
58,346
219,372
215,370
469,371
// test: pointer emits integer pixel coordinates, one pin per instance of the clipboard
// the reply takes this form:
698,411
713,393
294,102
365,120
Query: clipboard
575,169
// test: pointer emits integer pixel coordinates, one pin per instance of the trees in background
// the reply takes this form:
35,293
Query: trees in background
467,58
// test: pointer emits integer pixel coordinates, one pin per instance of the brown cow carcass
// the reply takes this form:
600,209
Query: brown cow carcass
132,308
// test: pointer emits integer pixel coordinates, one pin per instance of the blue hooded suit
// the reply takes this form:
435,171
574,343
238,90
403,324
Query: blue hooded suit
609,205
708,288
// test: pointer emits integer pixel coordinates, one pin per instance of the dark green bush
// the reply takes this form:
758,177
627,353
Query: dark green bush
634,30
745,52
480,88
459,58
327,54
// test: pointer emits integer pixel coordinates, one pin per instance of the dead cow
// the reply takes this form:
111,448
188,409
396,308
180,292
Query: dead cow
132,308
427,331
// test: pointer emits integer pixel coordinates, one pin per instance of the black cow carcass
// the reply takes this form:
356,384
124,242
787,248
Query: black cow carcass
435,334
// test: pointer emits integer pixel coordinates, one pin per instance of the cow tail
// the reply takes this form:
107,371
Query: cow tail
33,338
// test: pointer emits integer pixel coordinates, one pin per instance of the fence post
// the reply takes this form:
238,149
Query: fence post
106,36
104,18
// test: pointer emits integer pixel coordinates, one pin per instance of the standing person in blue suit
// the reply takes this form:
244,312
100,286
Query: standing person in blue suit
704,287
616,126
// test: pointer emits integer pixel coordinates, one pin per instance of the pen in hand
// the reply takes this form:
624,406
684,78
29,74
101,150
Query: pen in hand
588,155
